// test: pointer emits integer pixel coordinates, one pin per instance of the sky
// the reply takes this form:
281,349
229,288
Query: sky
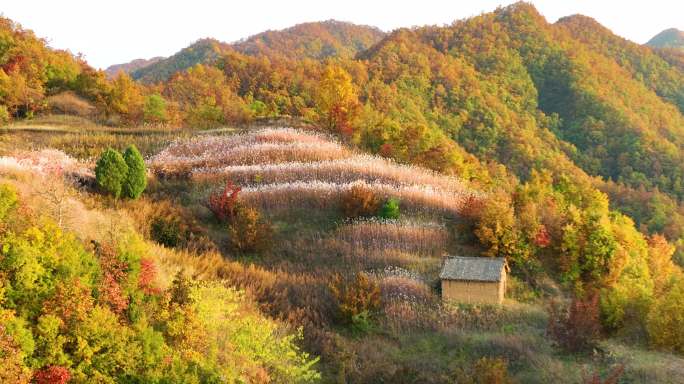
112,32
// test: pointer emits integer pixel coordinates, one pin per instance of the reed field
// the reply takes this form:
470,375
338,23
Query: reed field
284,167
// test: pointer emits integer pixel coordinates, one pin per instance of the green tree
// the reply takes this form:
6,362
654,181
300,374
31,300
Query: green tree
154,109
390,210
136,177
111,172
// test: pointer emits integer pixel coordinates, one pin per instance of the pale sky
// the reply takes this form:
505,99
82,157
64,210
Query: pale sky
112,32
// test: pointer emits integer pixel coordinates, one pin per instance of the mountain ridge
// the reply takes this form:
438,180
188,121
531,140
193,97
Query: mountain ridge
314,40
131,66
668,38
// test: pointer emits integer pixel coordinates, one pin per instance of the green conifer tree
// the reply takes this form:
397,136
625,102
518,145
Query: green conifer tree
136,179
111,172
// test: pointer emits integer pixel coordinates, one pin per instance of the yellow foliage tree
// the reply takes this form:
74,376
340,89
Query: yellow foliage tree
660,262
665,323
126,97
337,100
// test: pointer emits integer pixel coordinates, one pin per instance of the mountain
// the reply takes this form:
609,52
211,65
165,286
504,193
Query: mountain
643,63
558,147
131,66
570,98
669,38
316,41
618,106
204,51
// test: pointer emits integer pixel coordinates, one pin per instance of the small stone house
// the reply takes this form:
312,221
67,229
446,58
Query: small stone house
474,280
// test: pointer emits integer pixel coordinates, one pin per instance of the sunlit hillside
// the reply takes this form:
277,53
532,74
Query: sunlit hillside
287,208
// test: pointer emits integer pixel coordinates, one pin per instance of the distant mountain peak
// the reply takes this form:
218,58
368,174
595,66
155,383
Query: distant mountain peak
314,40
669,38
131,66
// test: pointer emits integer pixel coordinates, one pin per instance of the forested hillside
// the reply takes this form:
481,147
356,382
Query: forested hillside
309,40
319,40
204,51
557,146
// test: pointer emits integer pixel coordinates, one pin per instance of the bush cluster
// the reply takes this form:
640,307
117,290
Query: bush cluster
224,203
577,327
166,231
121,175
357,299
362,201
249,232
8,199
79,315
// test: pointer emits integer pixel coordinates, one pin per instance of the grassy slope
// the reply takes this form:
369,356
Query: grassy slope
412,343
414,340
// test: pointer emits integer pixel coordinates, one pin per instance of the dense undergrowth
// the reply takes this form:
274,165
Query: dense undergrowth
84,298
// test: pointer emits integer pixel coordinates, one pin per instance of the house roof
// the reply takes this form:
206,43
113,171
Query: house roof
473,268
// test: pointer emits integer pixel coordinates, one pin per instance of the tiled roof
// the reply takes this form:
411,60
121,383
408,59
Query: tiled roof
473,268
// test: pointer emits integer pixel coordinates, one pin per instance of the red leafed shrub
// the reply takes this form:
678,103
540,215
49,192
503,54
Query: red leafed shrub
110,293
52,375
542,239
472,207
340,114
360,201
224,203
386,150
577,327
111,264
72,302
147,277
114,272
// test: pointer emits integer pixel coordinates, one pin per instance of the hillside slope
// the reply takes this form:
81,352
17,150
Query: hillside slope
301,182
81,304
559,147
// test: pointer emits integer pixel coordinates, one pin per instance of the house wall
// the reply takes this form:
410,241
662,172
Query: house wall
473,292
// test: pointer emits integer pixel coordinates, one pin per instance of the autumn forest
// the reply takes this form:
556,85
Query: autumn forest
279,209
